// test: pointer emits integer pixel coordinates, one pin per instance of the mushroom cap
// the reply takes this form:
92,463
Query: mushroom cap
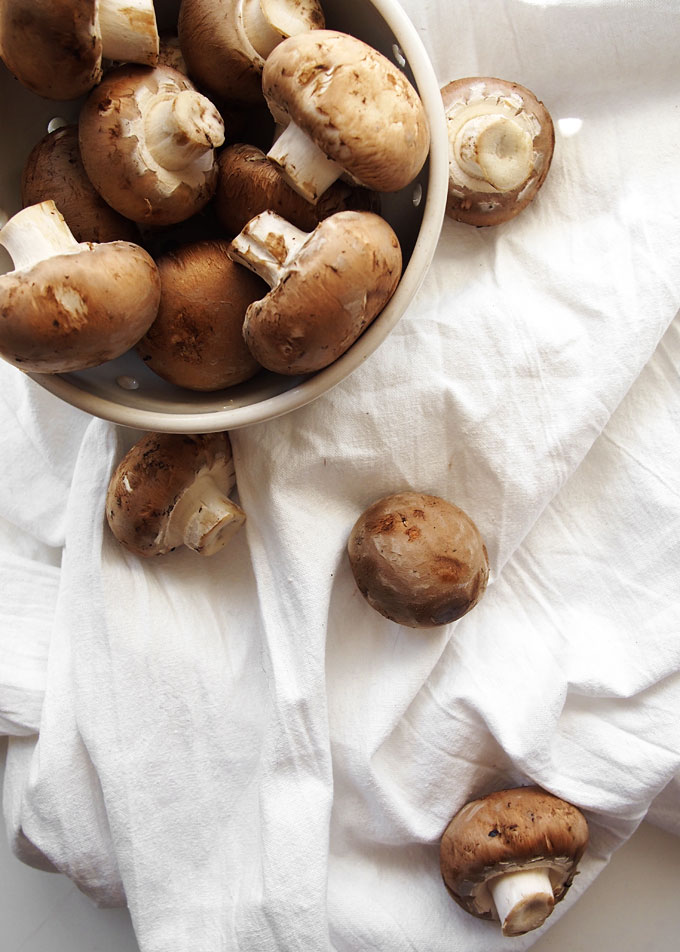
54,170
73,311
152,478
341,279
51,46
520,828
117,162
355,105
249,183
475,202
197,340
418,560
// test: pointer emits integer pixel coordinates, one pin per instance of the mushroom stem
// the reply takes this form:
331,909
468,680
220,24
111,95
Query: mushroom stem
267,245
496,150
182,128
36,233
205,518
305,167
523,898
128,30
261,33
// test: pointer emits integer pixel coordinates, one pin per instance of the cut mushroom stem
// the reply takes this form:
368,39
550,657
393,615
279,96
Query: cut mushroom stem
494,149
128,30
182,128
205,518
267,246
523,898
304,165
267,22
35,234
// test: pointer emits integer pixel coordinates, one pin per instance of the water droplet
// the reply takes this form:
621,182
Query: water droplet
399,57
56,123
417,196
127,383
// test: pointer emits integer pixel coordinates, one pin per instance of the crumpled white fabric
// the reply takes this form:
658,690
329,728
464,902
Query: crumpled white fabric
239,747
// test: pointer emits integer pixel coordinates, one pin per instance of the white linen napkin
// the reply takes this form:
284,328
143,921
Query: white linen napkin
240,747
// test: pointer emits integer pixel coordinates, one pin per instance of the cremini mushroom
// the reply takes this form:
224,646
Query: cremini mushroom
197,340
326,286
54,170
512,855
346,109
501,141
225,42
418,560
171,490
147,141
248,183
66,305
55,47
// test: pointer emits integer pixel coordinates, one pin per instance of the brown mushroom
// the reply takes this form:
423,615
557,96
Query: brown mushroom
171,490
326,286
501,141
249,183
147,141
512,855
55,47
418,559
67,306
197,340
225,42
54,170
346,109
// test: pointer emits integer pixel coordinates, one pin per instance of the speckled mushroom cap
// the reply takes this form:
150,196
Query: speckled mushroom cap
248,183
152,479
354,104
418,560
114,146
469,104
524,827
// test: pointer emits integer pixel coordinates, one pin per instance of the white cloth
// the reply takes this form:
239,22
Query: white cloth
239,747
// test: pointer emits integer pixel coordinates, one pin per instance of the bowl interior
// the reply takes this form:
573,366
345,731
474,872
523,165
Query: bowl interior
124,390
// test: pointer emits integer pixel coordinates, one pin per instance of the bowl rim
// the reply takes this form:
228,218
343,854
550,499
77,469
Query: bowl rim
314,386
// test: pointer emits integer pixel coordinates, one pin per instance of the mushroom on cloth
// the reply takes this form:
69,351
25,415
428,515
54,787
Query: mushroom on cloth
197,340
225,42
54,170
418,560
346,109
512,855
249,183
501,141
55,47
147,141
171,490
69,305
326,286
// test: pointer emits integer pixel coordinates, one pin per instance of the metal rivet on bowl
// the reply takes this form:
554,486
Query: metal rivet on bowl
417,196
398,56
127,383
56,123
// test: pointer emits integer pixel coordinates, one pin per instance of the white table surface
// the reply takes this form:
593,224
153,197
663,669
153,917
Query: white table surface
633,906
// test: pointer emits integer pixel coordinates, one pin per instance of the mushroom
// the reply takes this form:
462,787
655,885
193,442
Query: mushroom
66,305
54,170
501,141
55,47
346,109
326,286
418,560
170,490
197,340
248,183
225,42
147,141
512,855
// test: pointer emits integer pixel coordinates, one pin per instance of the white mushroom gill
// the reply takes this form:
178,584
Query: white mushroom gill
523,898
304,165
128,30
36,233
268,245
